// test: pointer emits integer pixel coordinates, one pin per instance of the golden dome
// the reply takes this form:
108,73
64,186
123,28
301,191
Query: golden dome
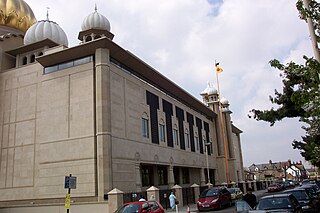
16,14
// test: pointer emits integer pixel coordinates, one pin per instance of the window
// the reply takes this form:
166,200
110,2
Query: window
162,132
162,175
147,175
145,128
186,138
32,58
175,137
68,64
185,176
24,60
196,141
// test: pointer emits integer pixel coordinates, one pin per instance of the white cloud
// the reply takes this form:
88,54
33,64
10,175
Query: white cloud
183,38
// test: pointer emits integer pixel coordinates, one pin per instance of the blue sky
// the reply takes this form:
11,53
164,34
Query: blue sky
183,38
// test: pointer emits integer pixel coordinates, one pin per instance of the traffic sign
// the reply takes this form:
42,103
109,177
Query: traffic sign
70,182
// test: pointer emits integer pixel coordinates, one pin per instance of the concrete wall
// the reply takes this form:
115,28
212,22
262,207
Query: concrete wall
46,132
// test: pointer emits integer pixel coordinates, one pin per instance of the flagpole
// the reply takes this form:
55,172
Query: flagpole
223,133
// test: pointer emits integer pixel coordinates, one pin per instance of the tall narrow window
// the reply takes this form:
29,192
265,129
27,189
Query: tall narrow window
186,138
147,175
162,133
145,128
175,137
162,175
196,141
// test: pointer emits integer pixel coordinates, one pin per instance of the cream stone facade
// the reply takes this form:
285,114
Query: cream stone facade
98,112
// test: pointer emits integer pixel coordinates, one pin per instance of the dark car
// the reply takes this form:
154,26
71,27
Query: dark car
279,203
214,198
312,189
304,199
141,207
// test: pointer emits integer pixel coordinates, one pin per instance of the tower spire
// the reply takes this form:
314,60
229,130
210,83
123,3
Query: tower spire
95,7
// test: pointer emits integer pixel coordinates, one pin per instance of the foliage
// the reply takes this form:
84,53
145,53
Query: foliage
300,96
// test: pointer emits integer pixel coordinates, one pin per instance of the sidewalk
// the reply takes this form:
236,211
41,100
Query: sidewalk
193,207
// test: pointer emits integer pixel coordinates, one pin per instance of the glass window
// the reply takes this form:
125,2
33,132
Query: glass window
162,132
185,176
175,137
147,175
196,141
145,128
162,175
186,137
65,65
50,69
82,60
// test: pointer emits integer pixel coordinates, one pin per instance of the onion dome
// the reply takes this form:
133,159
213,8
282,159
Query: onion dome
224,101
210,90
95,21
15,15
46,29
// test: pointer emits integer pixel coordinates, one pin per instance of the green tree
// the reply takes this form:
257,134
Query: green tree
300,96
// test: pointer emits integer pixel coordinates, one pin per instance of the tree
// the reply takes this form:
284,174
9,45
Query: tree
300,96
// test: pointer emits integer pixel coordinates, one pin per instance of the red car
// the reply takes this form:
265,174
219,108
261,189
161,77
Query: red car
274,187
150,206
214,198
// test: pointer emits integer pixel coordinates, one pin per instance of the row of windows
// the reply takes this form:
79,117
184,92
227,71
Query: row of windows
162,138
68,64
31,58
159,173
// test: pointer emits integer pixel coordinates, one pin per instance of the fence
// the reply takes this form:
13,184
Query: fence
188,195
133,196
164,197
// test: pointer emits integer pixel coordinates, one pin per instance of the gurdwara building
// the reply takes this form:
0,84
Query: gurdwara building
98,112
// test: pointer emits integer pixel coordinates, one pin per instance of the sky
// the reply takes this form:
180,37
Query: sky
182,39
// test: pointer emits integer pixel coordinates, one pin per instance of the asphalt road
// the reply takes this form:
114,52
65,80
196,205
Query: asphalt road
259,194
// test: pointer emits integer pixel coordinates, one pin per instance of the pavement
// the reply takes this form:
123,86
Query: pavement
193,207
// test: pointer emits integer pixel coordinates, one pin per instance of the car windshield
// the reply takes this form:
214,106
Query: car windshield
300,195
130,208
274,203
209,193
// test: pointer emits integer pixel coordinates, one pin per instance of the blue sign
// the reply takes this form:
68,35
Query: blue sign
70,182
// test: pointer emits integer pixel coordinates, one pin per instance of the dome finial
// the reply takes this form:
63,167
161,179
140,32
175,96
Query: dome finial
95,7
48,13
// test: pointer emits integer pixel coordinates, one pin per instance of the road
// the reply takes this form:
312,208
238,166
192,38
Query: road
259,194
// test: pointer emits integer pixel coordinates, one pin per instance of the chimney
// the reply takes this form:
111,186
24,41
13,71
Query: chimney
270,161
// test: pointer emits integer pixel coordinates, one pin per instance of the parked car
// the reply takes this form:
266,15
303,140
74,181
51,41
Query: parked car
236,194
141,207
312,189
304,199
274,187
214,198
279,203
